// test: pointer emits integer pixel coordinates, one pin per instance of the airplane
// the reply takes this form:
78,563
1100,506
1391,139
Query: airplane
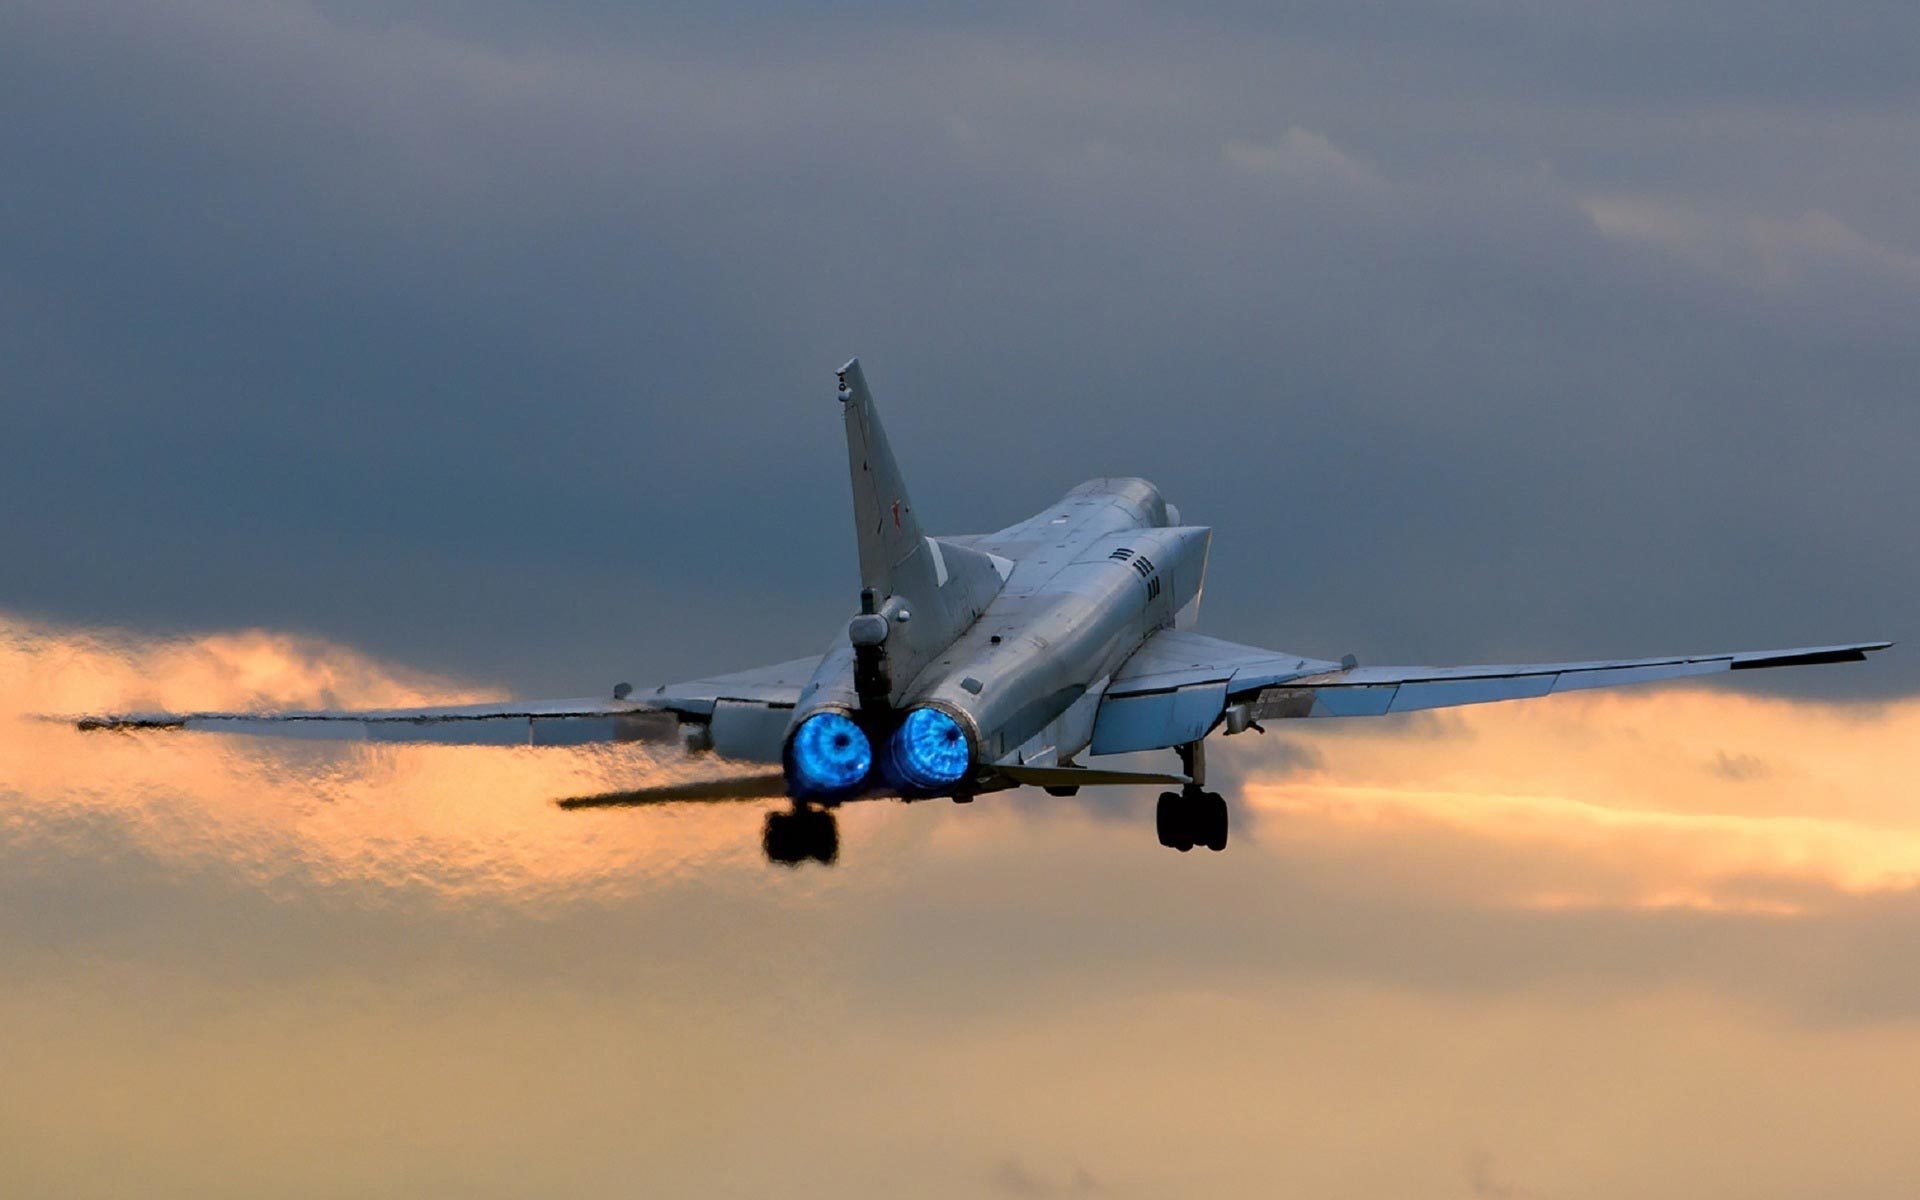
985,662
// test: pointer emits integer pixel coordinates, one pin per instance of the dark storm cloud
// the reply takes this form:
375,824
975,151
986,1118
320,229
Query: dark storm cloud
497,338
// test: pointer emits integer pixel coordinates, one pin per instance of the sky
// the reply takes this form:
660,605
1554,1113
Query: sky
378,354
500,339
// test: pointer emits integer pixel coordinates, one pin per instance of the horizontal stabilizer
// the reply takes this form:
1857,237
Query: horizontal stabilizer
1087,777
766,786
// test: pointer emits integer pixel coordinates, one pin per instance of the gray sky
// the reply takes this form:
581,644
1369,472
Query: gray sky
500,340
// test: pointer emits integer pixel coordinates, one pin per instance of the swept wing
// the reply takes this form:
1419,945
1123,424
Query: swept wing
743,715
1180,685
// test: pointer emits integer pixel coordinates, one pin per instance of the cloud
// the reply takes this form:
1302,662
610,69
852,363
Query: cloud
1739,767
450,332
1499,826
1012,1177
1532,918
1488,1184
379,824
1605,800
1777,253
497,341
1302,157
1593,801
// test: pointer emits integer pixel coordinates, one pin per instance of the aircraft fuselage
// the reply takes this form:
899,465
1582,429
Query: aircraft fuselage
1087,580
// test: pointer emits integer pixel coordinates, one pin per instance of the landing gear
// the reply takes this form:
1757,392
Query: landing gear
791,838
1191,817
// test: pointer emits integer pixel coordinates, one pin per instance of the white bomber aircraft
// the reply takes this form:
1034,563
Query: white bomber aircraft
986,662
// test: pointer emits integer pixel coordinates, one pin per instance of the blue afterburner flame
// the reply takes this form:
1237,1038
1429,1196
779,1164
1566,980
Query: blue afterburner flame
829,753
930,749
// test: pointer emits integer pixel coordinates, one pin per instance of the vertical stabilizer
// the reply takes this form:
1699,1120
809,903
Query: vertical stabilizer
882,513
927,591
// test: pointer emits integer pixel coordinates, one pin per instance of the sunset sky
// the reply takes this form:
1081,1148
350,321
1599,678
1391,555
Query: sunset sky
361,353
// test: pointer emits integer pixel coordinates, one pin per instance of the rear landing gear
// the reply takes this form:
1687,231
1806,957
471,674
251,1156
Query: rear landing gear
1191,817
791,838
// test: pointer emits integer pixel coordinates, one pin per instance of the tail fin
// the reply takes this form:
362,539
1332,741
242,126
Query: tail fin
882,514
929,590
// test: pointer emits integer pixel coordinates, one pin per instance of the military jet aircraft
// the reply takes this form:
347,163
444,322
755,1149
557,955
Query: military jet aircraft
985,662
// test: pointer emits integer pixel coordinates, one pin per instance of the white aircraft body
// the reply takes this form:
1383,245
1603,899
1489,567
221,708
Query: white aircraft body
986,662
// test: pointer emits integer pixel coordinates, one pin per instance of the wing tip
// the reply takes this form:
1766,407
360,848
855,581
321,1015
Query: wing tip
1818,656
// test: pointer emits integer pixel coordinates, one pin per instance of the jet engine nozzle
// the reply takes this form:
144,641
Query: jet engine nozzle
827,753
931,749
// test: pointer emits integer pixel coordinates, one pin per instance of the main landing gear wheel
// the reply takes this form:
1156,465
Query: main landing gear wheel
791,838
1191,817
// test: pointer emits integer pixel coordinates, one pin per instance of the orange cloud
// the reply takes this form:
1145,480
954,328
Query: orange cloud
1695,798
1673,797
454,821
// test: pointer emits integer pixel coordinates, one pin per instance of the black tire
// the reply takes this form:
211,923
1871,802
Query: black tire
1173,821
783,839
823,838
1212,810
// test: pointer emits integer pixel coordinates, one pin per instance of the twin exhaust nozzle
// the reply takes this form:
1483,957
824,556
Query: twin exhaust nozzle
829,753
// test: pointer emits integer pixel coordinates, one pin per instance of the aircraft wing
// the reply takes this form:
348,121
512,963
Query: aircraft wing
742,716
1178,686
